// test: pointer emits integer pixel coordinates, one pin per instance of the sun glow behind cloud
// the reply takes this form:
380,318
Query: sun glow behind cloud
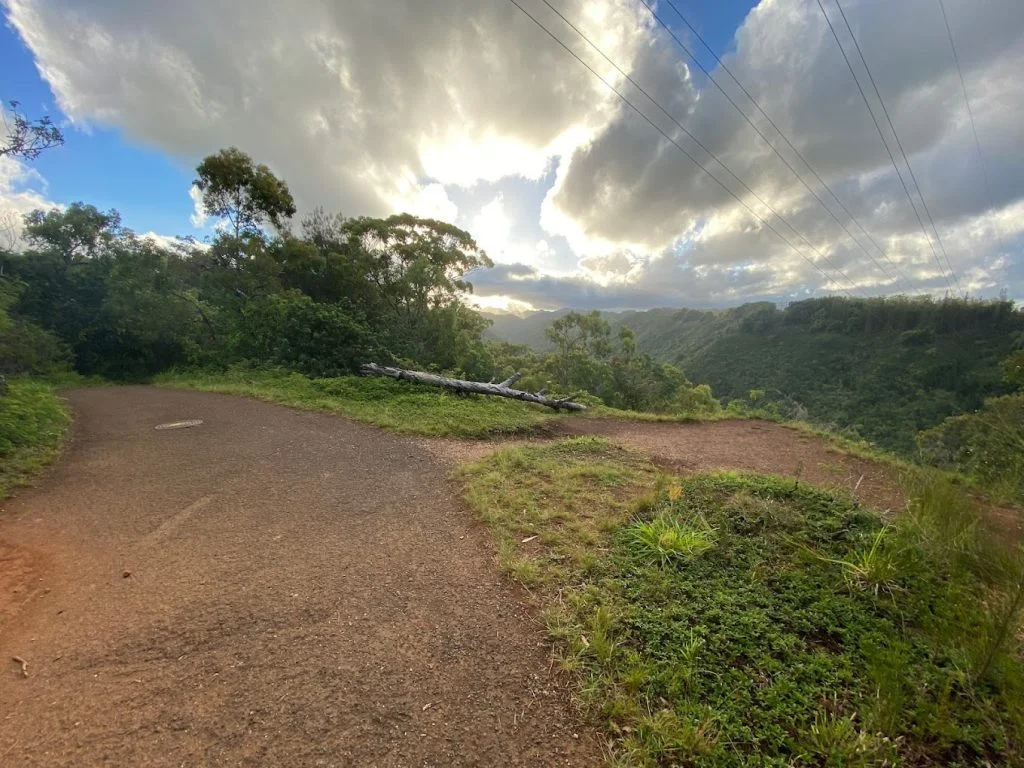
367,116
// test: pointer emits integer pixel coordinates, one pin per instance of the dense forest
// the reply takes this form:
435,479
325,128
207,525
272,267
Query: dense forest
884,368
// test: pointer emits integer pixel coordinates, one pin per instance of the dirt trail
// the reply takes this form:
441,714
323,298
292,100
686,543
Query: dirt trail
690,447
755,446
273,587
278,587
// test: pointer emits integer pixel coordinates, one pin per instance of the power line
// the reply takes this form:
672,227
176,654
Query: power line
899,144
697,141
676,144
967,101
778,130
885,144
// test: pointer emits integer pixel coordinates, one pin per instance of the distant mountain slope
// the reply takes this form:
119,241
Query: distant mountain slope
885,368
523,329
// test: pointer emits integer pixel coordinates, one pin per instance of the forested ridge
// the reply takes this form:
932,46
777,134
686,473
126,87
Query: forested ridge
885,368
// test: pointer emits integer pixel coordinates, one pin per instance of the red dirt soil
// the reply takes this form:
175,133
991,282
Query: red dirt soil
279,587
274,587
754,446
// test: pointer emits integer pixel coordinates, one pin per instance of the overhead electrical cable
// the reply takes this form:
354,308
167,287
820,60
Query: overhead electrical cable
899,144
970,112
678,146
722,65
695,140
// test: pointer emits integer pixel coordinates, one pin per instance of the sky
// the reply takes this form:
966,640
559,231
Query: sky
751,169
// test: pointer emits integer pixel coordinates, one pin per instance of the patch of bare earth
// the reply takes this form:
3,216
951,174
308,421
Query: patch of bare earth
273,587
691,447
750,445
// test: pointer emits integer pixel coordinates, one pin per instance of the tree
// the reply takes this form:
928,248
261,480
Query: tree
111,297
26,139
291,330
74,234
416,272
581,342
248,195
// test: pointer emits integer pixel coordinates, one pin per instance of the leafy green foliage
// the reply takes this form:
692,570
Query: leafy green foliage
33,423
290,330
395,405
25,348
987,445
321,304
245,193
808,632
587,357
883,368
112,298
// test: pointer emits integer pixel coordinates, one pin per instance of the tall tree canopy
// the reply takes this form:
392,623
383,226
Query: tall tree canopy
245,193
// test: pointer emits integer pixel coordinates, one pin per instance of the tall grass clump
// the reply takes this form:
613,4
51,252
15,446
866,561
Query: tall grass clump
33,423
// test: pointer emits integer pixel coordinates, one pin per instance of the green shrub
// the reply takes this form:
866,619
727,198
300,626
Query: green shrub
987,446
291,330
33,423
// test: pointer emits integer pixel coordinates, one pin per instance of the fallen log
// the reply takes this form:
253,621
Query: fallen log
477,387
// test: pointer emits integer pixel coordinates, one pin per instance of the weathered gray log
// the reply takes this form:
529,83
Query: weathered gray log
476,387
511,380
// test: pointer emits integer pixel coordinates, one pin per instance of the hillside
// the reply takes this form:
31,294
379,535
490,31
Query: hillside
884,368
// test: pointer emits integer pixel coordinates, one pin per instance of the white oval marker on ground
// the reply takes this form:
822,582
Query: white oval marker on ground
180,424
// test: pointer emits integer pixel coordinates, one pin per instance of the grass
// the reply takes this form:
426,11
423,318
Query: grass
33,424
395,405
550,508
732,620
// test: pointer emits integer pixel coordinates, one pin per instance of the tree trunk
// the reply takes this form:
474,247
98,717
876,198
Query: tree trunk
476,387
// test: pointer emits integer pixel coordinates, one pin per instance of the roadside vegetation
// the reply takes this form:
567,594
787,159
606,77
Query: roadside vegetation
33,424
735,620
320,296
716,620
883,368
395,405
986,445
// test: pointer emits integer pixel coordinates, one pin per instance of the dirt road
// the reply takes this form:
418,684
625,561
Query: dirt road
272,587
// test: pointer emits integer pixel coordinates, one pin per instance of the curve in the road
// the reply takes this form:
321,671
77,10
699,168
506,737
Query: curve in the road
272,587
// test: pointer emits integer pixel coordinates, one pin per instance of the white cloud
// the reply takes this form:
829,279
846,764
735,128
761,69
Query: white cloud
429,201
371,108
346,100
630,190
493,227
501,303
22,190
198,217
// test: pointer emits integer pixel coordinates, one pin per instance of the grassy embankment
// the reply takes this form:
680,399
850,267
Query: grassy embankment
732,620
33,424
414,409
395,405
